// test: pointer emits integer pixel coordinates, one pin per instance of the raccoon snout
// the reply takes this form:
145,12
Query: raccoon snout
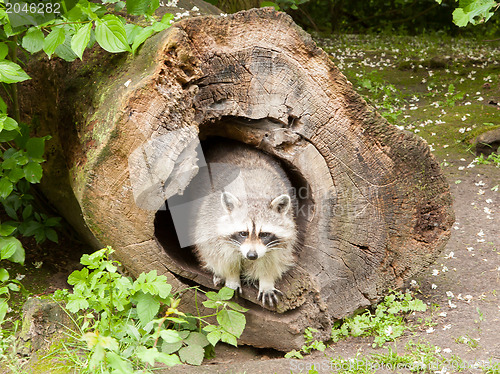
252,255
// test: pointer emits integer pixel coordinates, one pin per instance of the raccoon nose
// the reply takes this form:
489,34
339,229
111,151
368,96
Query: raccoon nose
252,255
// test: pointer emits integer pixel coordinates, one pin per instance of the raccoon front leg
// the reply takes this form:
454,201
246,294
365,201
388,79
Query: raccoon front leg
267,293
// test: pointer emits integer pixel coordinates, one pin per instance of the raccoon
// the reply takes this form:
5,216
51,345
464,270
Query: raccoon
245,227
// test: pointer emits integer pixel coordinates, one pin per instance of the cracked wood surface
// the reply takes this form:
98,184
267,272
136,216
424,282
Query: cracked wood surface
376,208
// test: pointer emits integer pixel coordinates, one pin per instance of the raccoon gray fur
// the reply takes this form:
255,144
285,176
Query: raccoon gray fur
245,226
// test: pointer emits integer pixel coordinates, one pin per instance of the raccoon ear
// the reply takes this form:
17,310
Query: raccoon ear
229,201
281,204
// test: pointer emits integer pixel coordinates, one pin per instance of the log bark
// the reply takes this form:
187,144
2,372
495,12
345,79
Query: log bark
374,207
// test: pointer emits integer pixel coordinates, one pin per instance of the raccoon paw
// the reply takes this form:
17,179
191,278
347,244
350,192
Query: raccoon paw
269,297
218,281
236,286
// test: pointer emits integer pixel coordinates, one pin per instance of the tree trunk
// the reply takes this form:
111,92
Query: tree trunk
374,208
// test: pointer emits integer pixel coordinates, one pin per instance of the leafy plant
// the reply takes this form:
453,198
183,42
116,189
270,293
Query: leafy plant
387,322
311,344
473,11
128,325
493,158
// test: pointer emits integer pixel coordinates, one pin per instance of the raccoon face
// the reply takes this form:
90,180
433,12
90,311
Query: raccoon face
256,231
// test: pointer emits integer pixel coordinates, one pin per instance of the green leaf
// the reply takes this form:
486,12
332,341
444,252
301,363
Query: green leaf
132,32
192,354
170,348
4,50
78,276
4,275
170,336
11,72
214,337
119,364
81,39
232,321
7,123
56,37
197,338
146,355
11,249
226,293
138,7
147,307
65,51
52,235
6,230
35,148
4,307
33,41
33,172
141,37
110,34
6,187
228,338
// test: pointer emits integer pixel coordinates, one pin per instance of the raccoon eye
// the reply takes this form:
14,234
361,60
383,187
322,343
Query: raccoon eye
264,235
243,234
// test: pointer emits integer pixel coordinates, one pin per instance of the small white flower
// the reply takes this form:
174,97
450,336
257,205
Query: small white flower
489,201
480,233
450,255
435,272
451,305
433,286
480,183
470,249
480,192
127,83
468,298
487,210
413,283
450,294
444,314
461,167
430,330
447,350
444,269
388,331
447,327
195,9
20,277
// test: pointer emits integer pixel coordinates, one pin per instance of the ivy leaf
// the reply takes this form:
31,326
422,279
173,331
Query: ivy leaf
56,37
11,72
192,354
110,34
232,321
147,307
33,41
81,39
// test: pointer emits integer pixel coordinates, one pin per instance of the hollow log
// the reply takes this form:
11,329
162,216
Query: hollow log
373,206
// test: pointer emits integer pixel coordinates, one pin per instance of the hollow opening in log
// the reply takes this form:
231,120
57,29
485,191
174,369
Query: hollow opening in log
184,257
